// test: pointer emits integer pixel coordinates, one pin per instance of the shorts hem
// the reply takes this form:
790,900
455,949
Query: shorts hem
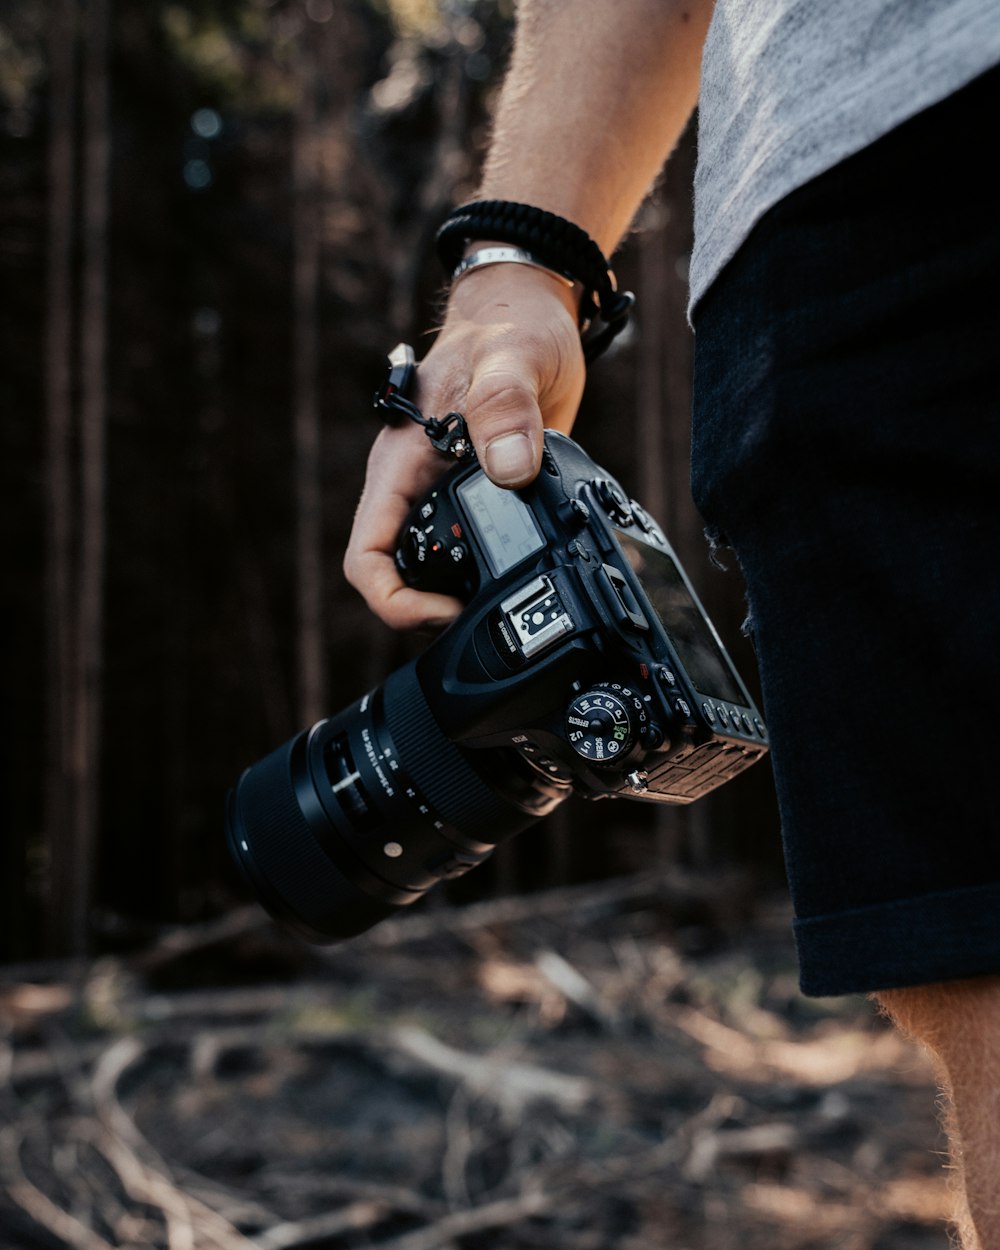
916,941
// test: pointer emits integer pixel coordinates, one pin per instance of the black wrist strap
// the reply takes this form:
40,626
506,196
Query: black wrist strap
559,244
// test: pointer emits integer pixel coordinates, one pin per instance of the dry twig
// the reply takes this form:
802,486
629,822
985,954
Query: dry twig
38,1205
124,1146
498,1214
511,1086
351,1218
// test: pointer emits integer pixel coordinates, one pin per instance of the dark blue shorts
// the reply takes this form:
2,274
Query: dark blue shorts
847,445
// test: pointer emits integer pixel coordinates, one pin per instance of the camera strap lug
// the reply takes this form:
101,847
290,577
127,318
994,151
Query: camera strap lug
449,435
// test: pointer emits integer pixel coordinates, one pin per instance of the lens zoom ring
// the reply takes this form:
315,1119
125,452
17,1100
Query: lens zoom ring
457,793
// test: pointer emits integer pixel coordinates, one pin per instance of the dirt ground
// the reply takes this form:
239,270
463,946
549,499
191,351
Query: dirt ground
626,1066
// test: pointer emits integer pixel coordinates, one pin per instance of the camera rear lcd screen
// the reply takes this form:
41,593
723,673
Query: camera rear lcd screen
501,521
693,639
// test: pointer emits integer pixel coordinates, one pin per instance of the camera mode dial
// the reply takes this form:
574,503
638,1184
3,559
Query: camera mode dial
603,723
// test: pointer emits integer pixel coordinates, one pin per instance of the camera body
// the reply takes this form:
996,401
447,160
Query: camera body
583,645
582,661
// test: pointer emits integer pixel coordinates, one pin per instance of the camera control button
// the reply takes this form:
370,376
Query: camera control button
427,509
455,866
577,513
613,500
723,716
709,712
652,737
666,676
458,552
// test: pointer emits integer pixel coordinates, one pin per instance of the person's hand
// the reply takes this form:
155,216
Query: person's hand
509,359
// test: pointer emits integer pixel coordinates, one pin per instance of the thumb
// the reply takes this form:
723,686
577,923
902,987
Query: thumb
505,421
509,358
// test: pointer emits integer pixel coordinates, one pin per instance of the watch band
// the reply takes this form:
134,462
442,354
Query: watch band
559,245
484,256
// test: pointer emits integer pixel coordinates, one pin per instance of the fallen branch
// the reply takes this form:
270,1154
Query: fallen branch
815,1061
331,1187
459,1142
775,1141
39,1206
186,939
355,1216
499,1214
560,973
127,1151
511,1086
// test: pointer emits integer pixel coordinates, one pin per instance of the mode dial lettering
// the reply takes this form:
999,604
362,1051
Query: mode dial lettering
602,724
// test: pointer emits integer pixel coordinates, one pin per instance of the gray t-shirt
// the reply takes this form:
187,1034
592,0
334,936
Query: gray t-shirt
791,87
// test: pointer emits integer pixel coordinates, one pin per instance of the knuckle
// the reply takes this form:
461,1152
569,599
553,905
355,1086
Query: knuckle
353,570
499,387
501,399
357,563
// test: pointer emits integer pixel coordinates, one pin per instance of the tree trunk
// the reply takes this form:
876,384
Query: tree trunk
305,340
86,756
59,328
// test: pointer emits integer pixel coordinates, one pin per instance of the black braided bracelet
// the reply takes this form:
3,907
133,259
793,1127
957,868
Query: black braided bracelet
559,244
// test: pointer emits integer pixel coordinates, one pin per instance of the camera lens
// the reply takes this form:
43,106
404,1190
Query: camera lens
363,813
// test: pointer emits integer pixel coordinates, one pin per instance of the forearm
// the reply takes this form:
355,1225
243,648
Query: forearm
597,95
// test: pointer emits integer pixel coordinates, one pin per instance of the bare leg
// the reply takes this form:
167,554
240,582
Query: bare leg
959,1021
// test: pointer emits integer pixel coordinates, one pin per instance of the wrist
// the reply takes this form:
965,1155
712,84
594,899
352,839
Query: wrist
502,290
538,238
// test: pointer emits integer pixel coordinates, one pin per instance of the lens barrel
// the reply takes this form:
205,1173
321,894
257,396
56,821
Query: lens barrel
363,813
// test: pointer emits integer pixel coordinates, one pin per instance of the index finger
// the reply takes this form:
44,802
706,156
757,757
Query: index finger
401,469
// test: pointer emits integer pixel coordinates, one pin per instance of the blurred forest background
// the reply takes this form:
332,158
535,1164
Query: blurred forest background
215,220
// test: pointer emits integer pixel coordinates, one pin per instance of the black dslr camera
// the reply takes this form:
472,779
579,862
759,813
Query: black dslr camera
583,661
